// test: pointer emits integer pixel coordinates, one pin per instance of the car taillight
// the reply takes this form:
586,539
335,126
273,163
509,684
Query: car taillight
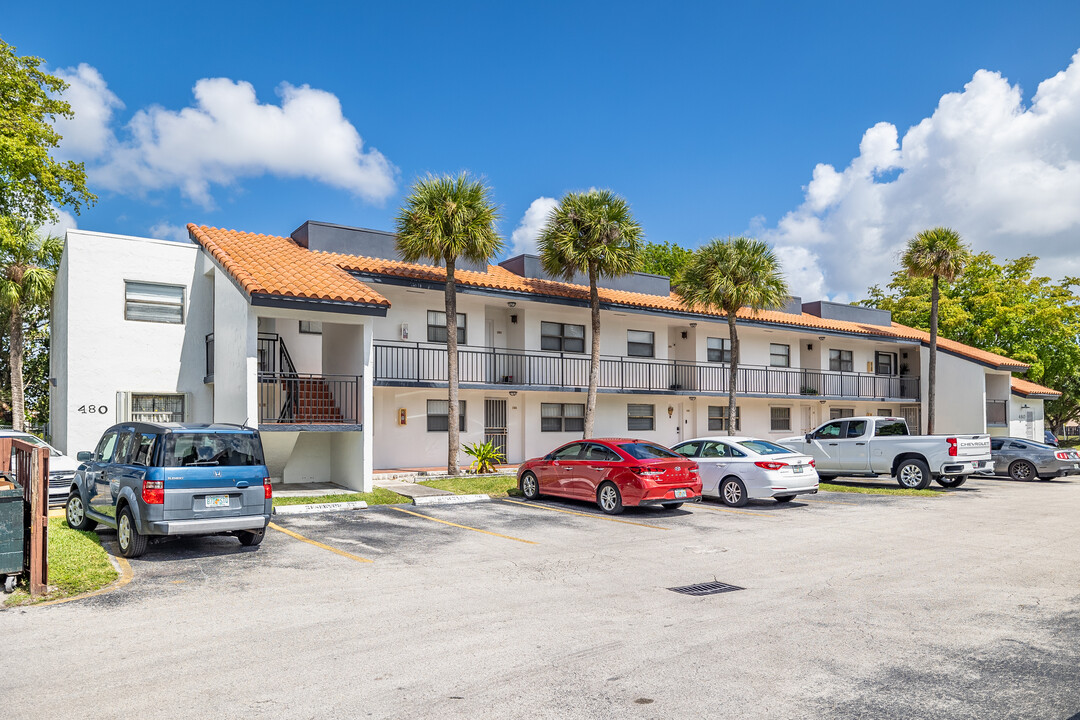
153,492
813,464
952,447
268,492
769,465
1062,456
641,470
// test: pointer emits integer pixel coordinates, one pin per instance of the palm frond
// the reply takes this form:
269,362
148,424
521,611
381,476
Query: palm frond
448,217
733,273
591,229
938,251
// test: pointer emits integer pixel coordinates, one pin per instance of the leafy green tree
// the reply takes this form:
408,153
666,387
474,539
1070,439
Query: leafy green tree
36,369
938,254
28,263
443,220
727,275
31,181
664,258
593,233
1006,309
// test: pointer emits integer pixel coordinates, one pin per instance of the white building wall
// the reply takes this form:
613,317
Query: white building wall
961,394
98,355
1027,418
236,362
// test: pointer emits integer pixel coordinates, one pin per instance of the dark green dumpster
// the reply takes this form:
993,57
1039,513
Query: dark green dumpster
12,522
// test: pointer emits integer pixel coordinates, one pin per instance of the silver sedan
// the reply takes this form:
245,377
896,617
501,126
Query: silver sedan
1023,459
737,469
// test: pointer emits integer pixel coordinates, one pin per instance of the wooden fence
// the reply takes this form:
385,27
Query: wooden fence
29,466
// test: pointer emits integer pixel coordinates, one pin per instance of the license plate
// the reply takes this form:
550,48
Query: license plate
217,501
797,469
680,493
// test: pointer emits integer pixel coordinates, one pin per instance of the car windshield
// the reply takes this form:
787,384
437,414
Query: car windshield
647,451
764,447
232,449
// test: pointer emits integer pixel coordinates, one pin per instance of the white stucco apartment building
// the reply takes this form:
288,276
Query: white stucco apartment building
335,350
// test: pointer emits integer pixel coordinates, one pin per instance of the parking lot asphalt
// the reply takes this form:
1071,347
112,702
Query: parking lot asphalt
965,605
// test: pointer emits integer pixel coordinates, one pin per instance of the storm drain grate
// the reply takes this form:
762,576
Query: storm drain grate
709,588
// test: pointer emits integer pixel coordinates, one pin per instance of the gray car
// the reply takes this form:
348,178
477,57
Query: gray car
173,479
1023,459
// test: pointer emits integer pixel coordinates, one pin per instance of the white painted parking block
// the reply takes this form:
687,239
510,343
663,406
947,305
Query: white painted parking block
450,499
319,507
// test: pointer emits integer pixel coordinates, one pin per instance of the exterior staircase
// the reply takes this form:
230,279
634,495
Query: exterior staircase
309,400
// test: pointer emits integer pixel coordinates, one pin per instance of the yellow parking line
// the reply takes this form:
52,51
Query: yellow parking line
588,515
729,510
465,527
126,575
316,543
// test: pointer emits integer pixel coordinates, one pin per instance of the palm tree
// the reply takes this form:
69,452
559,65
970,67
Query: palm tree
443,219
593,233
941,254
727,275
28,265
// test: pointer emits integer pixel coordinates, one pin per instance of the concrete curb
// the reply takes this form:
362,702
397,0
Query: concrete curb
319,507
450,499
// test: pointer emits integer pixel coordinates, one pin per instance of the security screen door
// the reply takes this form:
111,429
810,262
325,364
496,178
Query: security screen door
495,424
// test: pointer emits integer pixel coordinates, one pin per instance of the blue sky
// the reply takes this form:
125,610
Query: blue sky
709,118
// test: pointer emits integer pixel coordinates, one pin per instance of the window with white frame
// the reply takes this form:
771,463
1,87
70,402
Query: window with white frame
157,408
719,350
436,327
841,361
718,417
838,413
779,355
562,417
438,412
640,416
640,343
153,302
562,337
311,327
780,419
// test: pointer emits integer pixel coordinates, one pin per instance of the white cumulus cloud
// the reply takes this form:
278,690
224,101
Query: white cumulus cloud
523,239
167,231
64,221
1004,175
224,136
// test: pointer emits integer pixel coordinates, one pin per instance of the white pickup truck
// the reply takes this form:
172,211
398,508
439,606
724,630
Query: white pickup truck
883,445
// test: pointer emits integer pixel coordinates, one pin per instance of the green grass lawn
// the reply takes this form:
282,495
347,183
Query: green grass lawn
493,485
378,497
866,490
77,564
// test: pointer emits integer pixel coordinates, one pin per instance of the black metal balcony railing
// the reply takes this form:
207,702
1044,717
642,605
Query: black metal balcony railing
404,363
302,399
997,412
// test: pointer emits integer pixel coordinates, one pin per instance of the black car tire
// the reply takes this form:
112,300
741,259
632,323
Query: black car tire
672,506
733,492
913,474
251,538
1023,470
784,498
132,543
826,478
609,498
76,505
530,486
952,481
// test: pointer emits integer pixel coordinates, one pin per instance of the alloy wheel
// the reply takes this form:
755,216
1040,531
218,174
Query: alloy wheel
911,476
608,498
528,486
123,531
732,493
75,512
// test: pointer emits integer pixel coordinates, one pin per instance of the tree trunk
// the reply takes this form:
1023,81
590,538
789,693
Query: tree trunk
733,370
18,401
931,395
594,361
453,437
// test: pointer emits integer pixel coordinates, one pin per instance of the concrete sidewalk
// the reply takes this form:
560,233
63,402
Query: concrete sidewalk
410,490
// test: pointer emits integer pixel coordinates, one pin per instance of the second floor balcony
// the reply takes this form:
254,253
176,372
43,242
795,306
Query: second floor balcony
426,364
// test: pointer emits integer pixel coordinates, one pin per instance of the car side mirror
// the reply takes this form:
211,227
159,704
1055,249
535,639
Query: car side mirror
84,456
809,437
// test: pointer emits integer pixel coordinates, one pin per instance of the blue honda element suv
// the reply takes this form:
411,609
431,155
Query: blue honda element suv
173,479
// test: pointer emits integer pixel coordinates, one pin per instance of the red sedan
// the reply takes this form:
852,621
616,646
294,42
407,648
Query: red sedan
613,472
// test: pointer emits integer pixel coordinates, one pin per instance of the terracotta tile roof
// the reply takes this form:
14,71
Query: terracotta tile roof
1027,388
253,257
271,265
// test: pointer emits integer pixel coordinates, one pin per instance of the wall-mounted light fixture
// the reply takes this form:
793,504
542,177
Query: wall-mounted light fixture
513,393
693,398
670,411
821,401
511,304
821,338
693,324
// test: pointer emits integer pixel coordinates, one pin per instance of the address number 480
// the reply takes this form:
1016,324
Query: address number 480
93,409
